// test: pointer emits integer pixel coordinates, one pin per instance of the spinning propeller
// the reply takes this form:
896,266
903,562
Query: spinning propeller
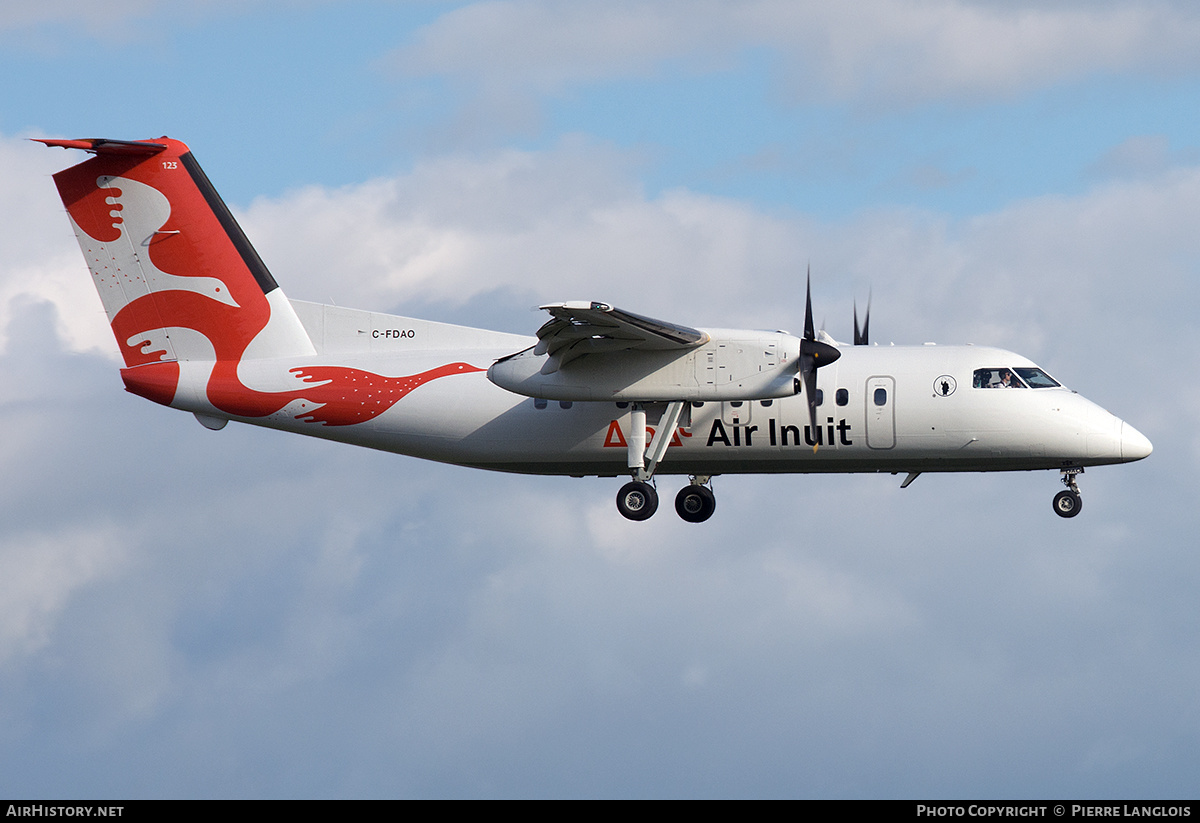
813,355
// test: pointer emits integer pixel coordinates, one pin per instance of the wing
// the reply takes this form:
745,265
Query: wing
576,329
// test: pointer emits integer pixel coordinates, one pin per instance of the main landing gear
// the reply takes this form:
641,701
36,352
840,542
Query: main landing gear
1068,503
695,503
637,499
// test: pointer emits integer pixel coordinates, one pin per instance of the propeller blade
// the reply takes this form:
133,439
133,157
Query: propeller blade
810,394
813,355
809,332
861,337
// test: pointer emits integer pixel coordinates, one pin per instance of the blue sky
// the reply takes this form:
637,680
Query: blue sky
184,613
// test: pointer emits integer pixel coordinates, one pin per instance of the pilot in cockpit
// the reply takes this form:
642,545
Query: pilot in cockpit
1001,378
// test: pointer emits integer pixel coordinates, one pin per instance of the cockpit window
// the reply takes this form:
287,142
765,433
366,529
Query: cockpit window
997,378
1037,378
1019,378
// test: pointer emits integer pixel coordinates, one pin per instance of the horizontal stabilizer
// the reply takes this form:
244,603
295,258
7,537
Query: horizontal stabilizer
98,145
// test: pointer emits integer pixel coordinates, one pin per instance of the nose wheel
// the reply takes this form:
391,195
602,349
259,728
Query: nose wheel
1068,503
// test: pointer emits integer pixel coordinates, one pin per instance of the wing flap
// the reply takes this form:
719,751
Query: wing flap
578,329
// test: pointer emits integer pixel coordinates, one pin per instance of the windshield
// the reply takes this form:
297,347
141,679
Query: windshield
1000,377
1037,378
996,378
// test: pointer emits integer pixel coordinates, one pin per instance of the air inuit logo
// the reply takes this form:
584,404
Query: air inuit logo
738,435
615,438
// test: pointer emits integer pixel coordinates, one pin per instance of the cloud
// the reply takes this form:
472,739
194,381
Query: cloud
41,258
572,223
1142,155
566,224
909,52
21,16
120,19
507,56
42,572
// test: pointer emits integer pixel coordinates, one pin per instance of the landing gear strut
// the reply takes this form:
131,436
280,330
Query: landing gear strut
638,500
1068,503
695,502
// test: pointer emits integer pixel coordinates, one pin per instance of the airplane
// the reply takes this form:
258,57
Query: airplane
203,327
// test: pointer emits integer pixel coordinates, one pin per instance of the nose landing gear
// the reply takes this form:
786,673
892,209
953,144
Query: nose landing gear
1068,503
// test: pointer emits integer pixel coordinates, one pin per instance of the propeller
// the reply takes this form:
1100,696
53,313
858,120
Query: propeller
860,337
813,355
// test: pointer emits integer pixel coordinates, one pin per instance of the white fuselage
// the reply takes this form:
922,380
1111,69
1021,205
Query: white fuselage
910,409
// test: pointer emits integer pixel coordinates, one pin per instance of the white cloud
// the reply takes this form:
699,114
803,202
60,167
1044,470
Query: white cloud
41,572
566,224
891,52
122,19
41,258
1143,155
572,224
25,15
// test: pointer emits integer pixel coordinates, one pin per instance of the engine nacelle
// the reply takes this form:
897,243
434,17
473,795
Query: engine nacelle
732,364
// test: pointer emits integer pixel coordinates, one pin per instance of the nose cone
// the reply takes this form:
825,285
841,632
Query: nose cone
1134,445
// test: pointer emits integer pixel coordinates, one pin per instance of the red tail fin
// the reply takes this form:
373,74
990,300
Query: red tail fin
177,276
180,282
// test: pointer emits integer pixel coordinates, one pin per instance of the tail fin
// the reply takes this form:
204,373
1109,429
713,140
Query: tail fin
180,282
178,278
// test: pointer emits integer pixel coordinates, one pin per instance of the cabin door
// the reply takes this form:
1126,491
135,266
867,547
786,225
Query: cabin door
881,414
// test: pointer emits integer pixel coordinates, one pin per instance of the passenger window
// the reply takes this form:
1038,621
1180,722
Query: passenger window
564,404
881,397
843,397
820,397
767,403
539,402
622,404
